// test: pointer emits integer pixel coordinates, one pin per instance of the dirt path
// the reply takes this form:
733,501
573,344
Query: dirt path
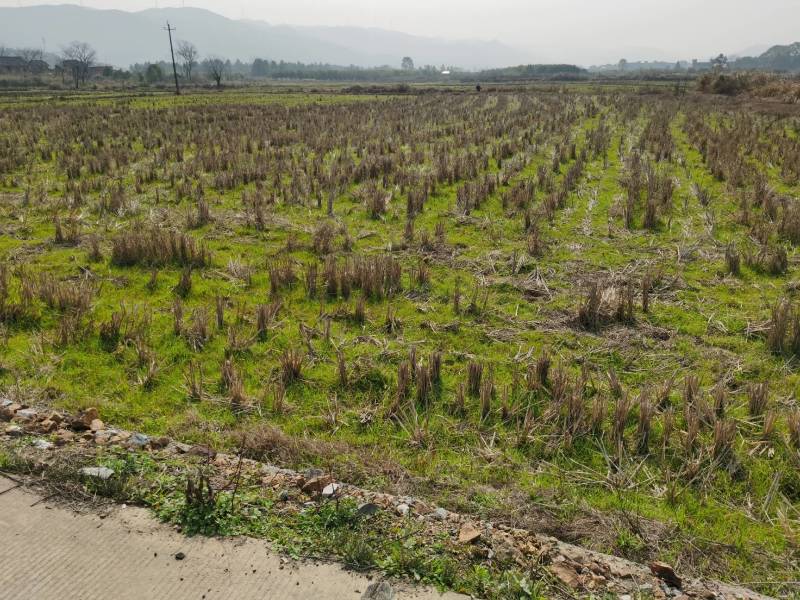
49,552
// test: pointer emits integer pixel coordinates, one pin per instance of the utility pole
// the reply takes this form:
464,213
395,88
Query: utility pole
170,29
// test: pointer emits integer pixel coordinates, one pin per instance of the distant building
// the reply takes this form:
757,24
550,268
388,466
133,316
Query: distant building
17,64
701,65
96,71
38,66
12,64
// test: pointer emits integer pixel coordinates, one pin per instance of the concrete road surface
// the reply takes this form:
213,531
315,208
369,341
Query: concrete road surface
49,552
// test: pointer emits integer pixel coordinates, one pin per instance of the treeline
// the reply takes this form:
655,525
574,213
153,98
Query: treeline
272,69
524,72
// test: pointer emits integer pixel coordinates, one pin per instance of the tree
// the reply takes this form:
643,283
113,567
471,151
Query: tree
719,63
216,67
78,57
188,53
623,64
30,55
154,73
407,64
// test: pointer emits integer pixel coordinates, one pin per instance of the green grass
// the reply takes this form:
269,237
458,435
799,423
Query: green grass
698,322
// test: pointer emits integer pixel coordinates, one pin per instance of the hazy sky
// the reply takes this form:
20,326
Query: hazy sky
569,30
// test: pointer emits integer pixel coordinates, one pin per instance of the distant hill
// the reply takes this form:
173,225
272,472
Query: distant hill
123,38
777,58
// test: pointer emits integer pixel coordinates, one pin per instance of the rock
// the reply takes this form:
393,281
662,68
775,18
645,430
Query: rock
8,410
83,420
138,441
367,509
103,473
666,573
26,414
96,425
402,509
104,436
331,490
180,556
283,496
42,445
566,574
180,448
159,442
46,426
379,590
505,548
315,486
204,451
14,431
313,473
63,437
440,514
468,533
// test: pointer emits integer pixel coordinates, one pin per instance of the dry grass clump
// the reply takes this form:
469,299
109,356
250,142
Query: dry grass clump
198,333
291,362
74,296
282,276
604,304
783,331
266,316
757,399
155,247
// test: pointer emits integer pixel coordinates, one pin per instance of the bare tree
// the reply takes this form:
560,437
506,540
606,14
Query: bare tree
78,57
188,54
215,67
30,55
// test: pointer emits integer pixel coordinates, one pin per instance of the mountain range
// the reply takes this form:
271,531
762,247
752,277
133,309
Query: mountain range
123,38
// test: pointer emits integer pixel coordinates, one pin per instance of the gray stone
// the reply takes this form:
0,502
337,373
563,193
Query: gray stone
313,473
440,514
26,414
402,509
138,440
42,444
367,509
379,590
180,447
331,490
103,473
